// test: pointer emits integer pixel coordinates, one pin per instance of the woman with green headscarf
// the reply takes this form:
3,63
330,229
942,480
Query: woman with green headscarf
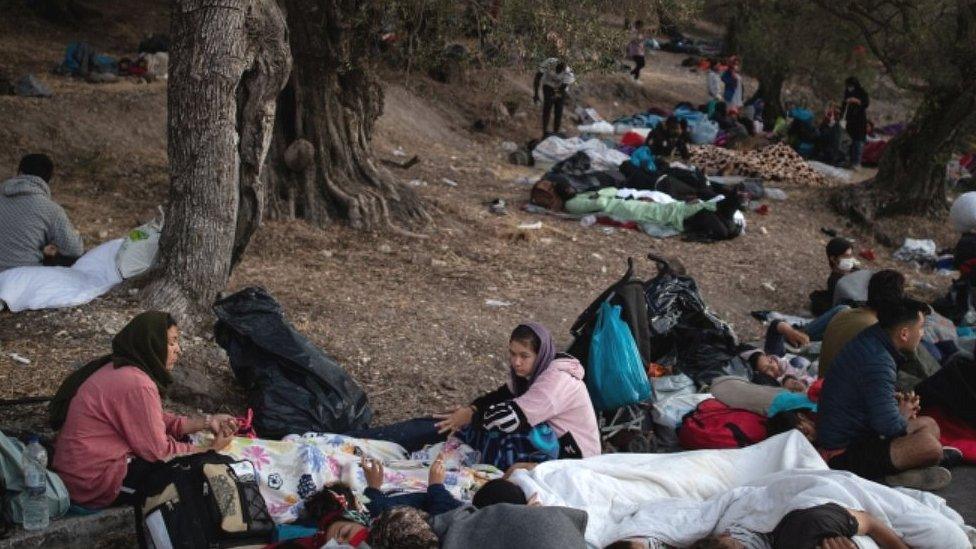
113,428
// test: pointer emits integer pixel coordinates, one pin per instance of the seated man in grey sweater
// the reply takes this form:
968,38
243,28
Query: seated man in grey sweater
34,230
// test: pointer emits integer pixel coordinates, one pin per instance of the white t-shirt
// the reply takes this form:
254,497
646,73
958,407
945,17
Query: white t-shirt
553,79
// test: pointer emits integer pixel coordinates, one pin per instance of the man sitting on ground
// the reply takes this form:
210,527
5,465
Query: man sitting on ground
864,425
840,257
34,230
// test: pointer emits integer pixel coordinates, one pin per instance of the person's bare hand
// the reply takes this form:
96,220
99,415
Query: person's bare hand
222,424
373,470
437,471
50,250
794,337
220,442
838,543
454,420
534,501
907,409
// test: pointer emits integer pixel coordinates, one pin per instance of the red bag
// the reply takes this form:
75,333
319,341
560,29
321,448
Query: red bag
713,425
632,139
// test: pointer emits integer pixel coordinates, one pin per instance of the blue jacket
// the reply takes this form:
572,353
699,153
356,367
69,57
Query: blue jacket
858,395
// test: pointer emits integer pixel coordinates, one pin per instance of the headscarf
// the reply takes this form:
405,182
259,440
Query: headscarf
141,343
544,357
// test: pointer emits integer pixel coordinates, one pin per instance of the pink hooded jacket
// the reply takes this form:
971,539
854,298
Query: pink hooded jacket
559,396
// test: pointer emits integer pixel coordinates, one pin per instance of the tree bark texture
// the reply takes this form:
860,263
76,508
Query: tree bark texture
911,173
321,160
229,59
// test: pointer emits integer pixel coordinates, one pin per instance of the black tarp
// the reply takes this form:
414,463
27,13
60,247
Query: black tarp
292,386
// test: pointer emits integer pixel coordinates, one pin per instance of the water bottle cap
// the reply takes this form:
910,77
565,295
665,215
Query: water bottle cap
33,438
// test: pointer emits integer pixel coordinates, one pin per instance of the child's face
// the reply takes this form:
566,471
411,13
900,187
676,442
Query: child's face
767,365
794,385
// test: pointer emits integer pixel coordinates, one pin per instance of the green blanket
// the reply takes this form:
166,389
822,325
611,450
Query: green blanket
605,201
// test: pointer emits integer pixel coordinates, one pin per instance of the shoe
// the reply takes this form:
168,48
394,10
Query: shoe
761,316
924,478
497,207
951,457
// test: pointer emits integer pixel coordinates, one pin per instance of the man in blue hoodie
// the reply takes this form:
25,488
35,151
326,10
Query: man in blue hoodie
864,424
34,230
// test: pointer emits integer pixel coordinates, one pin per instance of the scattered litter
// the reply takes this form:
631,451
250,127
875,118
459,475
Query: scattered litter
417,183
588,220
916,250
30,86
763,230
326,253
531,226
601,127
524,181
509,146
761,209
545,240
385,249
497,303
867,254
438,263
20,359
399,152
497,207
596,256
449,182
769,286
608,230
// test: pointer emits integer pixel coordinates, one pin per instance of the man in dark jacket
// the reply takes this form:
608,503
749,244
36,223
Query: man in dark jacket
34,230
864,424
855,107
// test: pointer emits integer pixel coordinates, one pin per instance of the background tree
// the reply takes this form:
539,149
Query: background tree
228,61
927,47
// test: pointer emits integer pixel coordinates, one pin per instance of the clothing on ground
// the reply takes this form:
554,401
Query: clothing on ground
508,526
604,200
30,220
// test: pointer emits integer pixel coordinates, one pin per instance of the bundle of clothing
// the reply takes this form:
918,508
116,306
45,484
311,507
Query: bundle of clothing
777,162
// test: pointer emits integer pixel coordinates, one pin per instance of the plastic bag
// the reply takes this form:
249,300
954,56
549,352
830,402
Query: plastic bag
615,376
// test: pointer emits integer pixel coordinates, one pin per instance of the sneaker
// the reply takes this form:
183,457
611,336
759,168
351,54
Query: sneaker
951,457
923,478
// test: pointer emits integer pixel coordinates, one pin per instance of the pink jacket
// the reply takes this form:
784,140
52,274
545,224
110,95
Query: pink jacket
115,415
560,398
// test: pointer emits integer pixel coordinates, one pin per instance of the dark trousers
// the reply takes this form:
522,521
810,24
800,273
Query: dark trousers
552,101
638,65
412,434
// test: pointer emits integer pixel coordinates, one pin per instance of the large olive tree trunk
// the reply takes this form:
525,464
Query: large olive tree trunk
321,165
229,59
911,173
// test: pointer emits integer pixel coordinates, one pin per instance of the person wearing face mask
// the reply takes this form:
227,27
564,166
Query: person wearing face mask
543,412
840,258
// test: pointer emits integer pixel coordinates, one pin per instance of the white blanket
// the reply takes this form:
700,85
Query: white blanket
672,497
555,149
95,273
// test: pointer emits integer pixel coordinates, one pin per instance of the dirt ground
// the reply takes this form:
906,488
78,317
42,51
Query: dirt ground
409,319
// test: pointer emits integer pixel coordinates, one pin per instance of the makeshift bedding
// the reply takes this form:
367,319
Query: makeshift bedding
605,200
291,470
95,273
773,163
555,149
679,498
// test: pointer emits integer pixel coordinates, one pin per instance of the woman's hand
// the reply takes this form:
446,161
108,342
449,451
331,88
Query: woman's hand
222,425
455,420
220,442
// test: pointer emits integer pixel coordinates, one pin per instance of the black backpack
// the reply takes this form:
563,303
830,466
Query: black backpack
204,501
628,292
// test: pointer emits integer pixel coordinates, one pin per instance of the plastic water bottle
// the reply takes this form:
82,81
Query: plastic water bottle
33,499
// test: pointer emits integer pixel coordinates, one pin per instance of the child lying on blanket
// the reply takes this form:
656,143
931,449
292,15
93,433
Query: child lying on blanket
827,526
337,515
775,370
435,500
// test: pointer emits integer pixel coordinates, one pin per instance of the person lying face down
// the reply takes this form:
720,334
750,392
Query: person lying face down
827,526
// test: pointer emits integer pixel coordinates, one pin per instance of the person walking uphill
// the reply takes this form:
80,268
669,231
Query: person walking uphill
856,103
34,230
635,49
112,425
555,78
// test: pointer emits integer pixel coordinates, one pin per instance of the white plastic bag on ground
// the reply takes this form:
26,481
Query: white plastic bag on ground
916,250
138,251
601,127
963,212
